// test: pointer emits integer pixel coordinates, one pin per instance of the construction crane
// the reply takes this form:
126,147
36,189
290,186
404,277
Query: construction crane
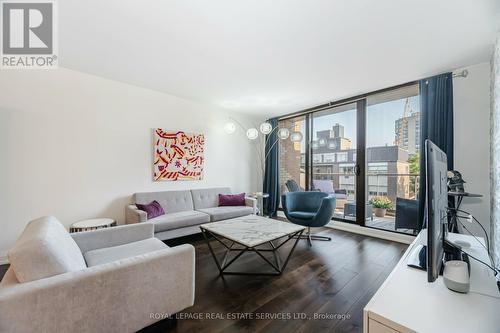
403,123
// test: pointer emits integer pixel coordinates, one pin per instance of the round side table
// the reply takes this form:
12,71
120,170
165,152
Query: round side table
92,224
260,201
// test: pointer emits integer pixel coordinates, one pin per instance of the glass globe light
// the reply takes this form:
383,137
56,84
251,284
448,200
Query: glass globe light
266,128
283,133
252,133
296,136
229,128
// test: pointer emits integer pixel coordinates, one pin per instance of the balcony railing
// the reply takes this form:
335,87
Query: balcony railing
413,180
406,185
402,185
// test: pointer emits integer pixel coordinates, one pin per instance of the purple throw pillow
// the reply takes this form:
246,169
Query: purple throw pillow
232,199
153,209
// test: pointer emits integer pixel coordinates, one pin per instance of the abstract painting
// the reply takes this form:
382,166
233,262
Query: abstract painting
178,155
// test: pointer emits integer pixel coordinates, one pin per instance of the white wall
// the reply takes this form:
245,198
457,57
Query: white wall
77,146
472,140
495,154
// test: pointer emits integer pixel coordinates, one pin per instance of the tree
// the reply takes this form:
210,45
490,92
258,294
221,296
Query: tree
414,162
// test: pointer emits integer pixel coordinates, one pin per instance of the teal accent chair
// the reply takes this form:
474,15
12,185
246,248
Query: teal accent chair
309,209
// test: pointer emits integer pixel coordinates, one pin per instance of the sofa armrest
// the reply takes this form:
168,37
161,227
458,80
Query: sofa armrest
114,236
122,296
251,202
135,215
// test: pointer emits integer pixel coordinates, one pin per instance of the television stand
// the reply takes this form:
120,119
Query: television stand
418,256
406,302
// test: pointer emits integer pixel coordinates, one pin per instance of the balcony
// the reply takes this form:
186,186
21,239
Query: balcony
388,222
386,185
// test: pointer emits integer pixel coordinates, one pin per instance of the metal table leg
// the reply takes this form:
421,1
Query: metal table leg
276,266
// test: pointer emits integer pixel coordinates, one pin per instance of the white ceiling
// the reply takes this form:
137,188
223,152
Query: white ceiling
272,57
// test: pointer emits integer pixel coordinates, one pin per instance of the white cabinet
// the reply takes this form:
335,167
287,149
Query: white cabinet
376,327
406,302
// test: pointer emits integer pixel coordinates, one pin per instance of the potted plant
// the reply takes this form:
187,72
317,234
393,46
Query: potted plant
381,205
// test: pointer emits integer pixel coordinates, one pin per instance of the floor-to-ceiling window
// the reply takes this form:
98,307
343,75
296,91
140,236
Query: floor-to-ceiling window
333,147
392,157
365,151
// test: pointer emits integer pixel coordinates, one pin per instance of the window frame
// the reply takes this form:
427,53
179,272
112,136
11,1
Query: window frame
359,153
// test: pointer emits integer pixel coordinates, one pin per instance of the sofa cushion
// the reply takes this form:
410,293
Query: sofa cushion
208,197
340,196
302,215
226,212
170,201
114,253
44,249
179,220
152,209
323,185
232,199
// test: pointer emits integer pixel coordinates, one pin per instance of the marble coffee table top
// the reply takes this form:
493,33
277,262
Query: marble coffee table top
252,230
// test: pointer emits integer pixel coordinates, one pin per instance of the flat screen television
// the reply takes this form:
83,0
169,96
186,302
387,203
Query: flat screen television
429,257
436,203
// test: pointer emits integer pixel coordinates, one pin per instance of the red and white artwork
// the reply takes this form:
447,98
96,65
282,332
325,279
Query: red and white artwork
178,155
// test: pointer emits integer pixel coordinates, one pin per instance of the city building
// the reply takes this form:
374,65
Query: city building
333,158
407,130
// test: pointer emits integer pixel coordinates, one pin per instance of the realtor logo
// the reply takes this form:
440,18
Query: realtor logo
28,34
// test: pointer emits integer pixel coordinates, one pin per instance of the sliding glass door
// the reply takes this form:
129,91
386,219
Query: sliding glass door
392,158
366,152
334,152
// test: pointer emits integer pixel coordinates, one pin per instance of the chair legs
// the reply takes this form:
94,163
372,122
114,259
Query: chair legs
310,237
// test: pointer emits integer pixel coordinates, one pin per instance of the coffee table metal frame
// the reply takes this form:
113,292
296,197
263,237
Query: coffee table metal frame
277,266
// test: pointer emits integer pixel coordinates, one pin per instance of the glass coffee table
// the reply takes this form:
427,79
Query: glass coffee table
255,234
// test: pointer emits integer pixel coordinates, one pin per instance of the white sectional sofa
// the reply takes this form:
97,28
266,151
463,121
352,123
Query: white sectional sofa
109,280
186,210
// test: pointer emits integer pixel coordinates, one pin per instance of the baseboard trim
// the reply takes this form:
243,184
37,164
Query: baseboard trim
354,228
3,258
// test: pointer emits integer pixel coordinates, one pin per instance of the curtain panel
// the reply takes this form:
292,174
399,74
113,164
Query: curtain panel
436,124
271,171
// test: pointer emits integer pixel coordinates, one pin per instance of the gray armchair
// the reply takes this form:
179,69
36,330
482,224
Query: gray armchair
108,280
309,209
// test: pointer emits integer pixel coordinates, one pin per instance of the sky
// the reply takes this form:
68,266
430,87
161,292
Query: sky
380,119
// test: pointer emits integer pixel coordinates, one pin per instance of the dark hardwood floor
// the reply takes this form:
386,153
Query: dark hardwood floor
324,288
334,279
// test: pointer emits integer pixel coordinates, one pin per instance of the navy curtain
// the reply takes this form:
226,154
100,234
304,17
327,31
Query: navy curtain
271,176
436,124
